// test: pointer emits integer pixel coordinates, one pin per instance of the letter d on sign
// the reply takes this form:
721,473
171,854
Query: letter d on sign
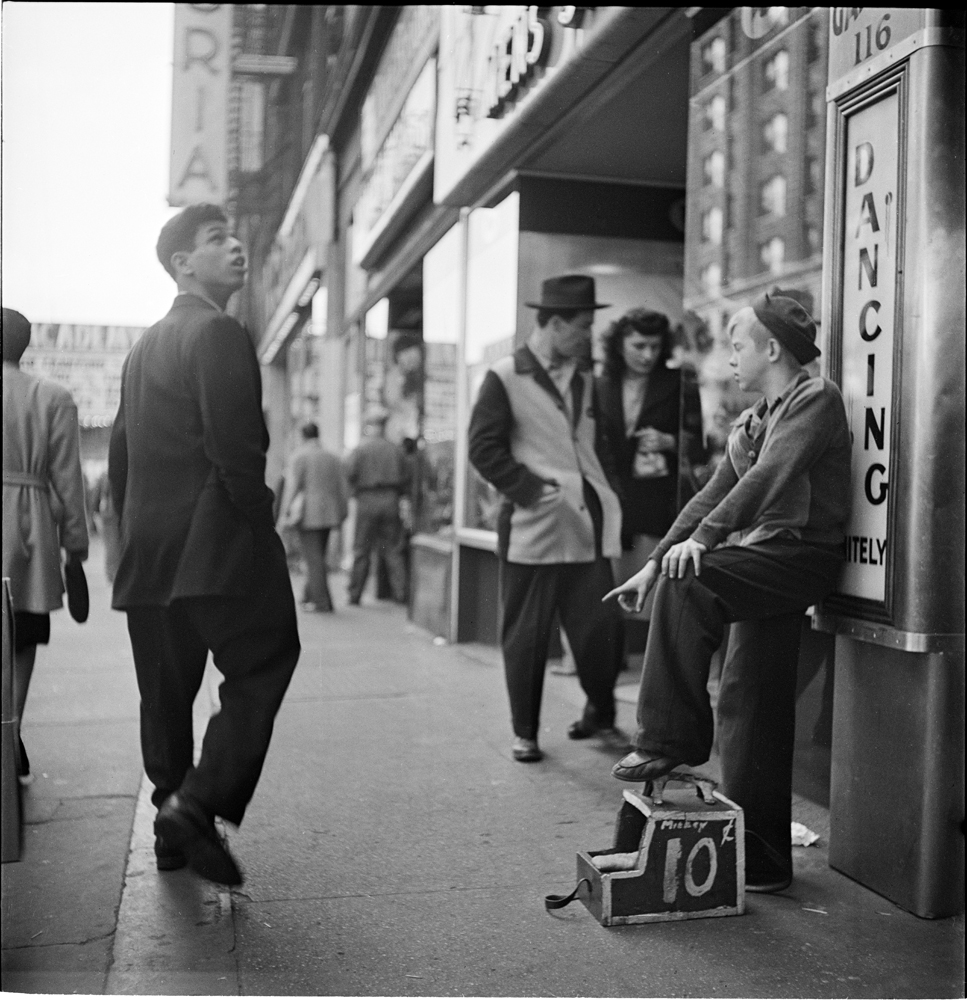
864,163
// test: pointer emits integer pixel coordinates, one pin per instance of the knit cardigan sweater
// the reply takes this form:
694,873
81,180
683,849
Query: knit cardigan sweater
785,474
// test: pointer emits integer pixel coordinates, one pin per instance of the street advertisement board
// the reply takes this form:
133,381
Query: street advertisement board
868,310
199,103
86,360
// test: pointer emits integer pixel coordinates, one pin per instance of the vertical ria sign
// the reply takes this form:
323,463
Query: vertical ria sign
868,314
199,104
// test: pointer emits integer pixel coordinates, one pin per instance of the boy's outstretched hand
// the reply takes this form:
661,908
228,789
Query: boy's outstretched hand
632,593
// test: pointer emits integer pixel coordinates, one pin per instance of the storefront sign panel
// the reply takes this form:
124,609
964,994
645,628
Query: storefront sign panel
199,103
493,60
869,287
857,35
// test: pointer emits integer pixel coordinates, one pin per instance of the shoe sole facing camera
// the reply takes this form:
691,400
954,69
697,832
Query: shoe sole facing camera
206,855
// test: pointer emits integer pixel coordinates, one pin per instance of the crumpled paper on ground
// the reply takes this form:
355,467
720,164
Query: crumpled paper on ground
802,836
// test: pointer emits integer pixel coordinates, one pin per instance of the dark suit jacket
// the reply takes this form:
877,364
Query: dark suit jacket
187,460
649,506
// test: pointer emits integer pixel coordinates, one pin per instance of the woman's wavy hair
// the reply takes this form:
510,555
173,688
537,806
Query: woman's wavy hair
643,321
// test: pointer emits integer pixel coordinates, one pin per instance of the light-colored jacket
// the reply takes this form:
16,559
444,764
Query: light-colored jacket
523,436
43,488
319,475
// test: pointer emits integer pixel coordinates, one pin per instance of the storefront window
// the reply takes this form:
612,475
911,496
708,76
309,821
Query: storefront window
492,260
442,280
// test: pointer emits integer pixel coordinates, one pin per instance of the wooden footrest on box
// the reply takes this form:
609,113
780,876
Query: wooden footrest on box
677,855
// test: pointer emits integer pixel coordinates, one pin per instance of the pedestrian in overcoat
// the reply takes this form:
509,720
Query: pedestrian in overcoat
43,503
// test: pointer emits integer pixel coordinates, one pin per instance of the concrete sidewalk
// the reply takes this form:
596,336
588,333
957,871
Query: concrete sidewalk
394,848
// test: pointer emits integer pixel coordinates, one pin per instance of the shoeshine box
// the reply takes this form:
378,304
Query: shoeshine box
677,858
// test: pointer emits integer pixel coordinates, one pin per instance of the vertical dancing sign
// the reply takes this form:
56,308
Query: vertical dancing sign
199,104
868,315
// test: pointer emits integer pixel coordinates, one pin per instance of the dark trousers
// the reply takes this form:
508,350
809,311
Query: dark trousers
530,596
314,542
378,526
765,590
254,643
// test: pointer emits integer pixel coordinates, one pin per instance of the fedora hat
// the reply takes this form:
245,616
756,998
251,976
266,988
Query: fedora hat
789,323
568,291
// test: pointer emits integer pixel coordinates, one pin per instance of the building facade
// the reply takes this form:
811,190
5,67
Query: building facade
405,177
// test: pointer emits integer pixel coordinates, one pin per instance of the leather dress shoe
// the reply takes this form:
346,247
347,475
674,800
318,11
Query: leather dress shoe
639,767
611,736
526,751
184,827
168,858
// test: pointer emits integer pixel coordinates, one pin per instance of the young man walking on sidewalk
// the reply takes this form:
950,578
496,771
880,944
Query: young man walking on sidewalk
535,436
201,567
759,544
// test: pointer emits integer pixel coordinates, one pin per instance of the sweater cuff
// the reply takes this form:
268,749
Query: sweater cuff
707,536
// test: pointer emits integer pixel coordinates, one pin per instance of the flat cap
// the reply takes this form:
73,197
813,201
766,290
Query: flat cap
789,323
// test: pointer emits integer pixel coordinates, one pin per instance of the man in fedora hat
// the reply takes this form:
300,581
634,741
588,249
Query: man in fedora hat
759,544
535,435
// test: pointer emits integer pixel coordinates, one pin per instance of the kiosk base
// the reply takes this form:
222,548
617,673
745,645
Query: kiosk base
897,781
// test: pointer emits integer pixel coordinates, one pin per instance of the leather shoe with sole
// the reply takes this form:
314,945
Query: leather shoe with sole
637,767
168,859
526,751
184,827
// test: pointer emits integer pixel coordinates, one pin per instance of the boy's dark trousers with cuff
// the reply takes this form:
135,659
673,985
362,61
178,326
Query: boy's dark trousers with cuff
763,591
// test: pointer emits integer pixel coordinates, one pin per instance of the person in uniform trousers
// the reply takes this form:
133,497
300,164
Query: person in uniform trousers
317,477
761,542
43,504
201,568
377,473
652,415
535,435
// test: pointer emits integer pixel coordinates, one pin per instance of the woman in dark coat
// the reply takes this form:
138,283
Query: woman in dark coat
653,418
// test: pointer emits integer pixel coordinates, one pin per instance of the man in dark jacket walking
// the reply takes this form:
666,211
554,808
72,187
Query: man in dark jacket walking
201,568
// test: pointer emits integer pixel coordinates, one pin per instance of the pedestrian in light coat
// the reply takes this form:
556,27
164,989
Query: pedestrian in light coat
43,502
201,567
314,502
535,434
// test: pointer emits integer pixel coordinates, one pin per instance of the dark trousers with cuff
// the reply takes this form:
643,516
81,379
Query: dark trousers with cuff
378,526
530,595
763,591
314,543
254,642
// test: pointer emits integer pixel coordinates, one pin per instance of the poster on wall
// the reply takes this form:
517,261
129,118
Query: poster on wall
869,279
